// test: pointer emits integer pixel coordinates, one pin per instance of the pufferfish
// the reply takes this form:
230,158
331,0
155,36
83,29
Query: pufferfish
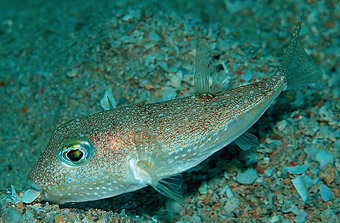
127,148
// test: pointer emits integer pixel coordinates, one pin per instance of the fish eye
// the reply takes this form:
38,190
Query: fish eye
75,155
76,152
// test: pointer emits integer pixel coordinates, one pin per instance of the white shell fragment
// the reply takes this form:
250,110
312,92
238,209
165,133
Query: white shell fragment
312,152
30,195
320,155
324,158
176,79
300,214
108,101
310,181
326,192
72,73
169,93
301,187
297,169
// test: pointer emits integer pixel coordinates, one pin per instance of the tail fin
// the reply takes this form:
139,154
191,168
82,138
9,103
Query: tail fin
297,65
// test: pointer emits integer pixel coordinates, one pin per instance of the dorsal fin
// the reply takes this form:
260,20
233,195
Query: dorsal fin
108,102
202,70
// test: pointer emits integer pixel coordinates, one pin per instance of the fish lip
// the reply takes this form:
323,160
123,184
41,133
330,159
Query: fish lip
33,185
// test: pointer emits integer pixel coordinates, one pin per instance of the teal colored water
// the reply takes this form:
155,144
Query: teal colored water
57,59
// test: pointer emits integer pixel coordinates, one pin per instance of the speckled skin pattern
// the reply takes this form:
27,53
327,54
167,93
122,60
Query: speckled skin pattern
173,135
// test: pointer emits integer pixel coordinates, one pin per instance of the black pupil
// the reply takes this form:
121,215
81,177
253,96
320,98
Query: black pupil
75,155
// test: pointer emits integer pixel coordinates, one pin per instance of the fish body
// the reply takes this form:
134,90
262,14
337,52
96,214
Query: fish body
128,148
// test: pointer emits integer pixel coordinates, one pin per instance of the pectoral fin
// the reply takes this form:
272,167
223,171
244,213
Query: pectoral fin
247,141
144,172
146,164
169,187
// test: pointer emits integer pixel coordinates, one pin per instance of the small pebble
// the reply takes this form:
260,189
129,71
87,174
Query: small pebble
328,174
224,189
232,204
310,181
203,189
29,214
301,216
274,219
72,73
173,207
230,193
282,125
226,175
127,17
169,93
103,220
11,215
196,218
337,164
248,76
326,192
268,172
176,79
247,177
154,36
327,114
59,218
329,215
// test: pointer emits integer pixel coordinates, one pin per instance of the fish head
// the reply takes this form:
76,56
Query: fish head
76,166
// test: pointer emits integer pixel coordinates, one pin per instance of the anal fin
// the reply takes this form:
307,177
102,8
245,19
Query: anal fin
247,141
